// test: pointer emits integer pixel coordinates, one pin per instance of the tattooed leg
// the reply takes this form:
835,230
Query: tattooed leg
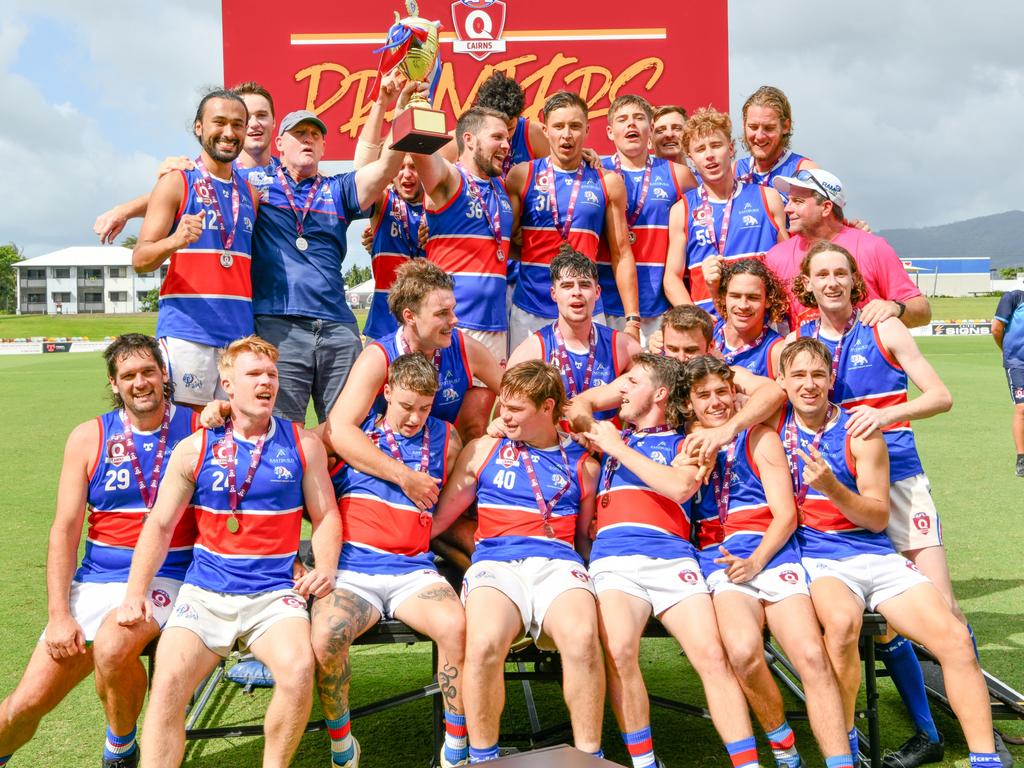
337,621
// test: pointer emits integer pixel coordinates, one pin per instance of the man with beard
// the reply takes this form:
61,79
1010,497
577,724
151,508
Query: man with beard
667,133
202,220
767,130
112,467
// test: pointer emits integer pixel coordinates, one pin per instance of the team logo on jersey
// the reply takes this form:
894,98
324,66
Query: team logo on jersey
590,197
581,575
658,457
293,602
192,381
922,522
186,611
701,216
688,576
222,452
247,223
505,205
203,192
790,577
259,179
1018,393
558,480
117,449
449,394
749,221
858,360
478,27
659,193
159,598
540,182
283,474
509,456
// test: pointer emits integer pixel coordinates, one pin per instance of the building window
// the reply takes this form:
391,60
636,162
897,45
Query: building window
62,298
36,298
35,274
61,273
117,271
94,297
141,295
90,273
118,295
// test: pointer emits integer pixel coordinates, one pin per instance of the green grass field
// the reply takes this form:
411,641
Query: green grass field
968,454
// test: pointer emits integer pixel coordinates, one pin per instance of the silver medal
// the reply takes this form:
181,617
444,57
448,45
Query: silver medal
226,260
301,243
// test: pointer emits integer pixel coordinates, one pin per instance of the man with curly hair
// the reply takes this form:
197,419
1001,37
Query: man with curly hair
750,299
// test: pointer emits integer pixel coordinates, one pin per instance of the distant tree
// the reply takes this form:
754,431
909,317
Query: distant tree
356,275
149,300
130,242
9,255
1010,273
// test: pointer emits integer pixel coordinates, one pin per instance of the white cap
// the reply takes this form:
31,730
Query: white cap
816,180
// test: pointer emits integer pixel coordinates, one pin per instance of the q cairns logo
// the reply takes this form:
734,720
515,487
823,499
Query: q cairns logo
478,26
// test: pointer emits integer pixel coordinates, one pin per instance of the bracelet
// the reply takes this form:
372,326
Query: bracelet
633,319
900,307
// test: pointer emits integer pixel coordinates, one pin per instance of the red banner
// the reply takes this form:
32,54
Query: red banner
324,60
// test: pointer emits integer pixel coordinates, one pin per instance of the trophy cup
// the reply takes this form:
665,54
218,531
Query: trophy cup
412,46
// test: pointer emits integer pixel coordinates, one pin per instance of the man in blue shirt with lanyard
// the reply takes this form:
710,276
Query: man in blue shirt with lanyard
1008,331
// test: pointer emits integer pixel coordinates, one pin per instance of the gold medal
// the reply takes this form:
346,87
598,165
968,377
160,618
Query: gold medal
233,524
632,237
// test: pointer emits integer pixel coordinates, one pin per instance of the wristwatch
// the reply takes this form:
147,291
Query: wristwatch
632,318
900,307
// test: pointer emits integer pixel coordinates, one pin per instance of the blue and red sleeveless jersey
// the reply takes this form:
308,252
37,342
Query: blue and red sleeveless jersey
867,375
607,365
116,508
540,238
787,165
824,531
752,231
454,376
259,556
463,245
651,245
747,519
384,532
758,359
206,296
260,178
509,524
636,520
394,243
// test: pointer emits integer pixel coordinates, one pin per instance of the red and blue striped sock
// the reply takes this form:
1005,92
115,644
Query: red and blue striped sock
343,747
839,761
456,743
783,743
743,753
118,746
640,745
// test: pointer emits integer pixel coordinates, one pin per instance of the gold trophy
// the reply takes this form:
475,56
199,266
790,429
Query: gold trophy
412,46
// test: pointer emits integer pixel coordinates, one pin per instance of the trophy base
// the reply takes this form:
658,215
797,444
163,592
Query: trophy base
420,130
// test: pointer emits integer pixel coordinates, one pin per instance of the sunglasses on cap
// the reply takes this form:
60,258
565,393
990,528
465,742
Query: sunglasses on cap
806,175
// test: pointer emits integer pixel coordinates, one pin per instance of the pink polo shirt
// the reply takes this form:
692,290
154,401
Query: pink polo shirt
883,272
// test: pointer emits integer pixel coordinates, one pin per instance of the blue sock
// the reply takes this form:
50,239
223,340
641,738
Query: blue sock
456,743
905,671
854,745
985,760
599,753
482,755
974,641
117,746
839,761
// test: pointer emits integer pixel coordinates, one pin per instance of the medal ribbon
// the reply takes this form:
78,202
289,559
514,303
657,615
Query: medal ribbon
226,238
403,347
718,243
563,229
493,218
730,357
389,437
300,216
400,212
628,432
565,364
850,322
235,495
791,443
147,492
544,507
632,216
720,482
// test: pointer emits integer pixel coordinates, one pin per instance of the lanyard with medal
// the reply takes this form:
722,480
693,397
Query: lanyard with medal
493,218
392,443
300,216
565,364
544,507
721,482
791,443
400,212
633,215
227,239
730,356
565,228
837,353
718,242
235,494
147,491
614,464
405,349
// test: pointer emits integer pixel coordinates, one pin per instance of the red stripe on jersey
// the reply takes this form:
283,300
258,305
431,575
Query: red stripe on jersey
122,529
540,246
756,518
458,254
99,448
821,514
636,506
494,522
384,266
710,533
380,525
257,535
199,273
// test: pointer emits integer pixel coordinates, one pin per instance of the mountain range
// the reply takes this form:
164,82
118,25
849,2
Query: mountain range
999,236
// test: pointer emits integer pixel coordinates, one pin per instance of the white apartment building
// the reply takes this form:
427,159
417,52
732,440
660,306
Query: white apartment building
83,279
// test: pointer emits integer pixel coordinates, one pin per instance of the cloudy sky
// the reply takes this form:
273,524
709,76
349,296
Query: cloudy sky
914,104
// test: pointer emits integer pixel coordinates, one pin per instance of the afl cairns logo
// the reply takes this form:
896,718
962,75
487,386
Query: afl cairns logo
478,26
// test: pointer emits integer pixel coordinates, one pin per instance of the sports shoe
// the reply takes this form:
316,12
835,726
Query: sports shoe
446,764
1020,465
132,760
1004,754
915,751
352,762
